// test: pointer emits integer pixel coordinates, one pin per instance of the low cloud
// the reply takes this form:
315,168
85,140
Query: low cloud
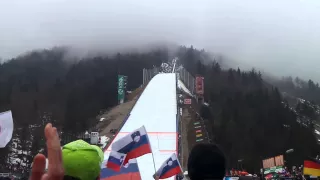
281,37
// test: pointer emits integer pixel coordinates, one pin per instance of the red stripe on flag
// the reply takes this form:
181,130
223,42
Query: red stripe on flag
171,172
311,164
137,152
128,176
113,166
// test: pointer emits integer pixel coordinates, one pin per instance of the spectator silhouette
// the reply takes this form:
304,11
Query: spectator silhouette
206,162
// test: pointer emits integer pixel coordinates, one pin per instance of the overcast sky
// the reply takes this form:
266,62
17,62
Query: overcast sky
280,36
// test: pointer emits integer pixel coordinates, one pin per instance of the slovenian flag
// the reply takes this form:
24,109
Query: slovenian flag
115,160
130,171
134,145
169,168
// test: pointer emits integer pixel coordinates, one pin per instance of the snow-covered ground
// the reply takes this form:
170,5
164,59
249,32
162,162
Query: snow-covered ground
20,153
302,119
156,109
23,146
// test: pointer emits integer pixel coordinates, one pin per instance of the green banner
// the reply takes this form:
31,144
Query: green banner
120,81
122,85
120,94
275,169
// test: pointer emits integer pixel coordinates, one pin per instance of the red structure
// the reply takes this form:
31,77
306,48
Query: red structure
199,85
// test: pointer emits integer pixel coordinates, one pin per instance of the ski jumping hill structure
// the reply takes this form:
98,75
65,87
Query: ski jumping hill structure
156,109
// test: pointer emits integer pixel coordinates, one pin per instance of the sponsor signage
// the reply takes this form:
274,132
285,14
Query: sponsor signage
268,163
122,86
279,160
5,174
272,162
275,169
199,85
187,101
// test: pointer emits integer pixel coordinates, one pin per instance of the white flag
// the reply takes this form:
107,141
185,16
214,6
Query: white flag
6,128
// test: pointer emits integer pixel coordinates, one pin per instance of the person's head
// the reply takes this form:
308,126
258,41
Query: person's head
70,178
81,160
206,162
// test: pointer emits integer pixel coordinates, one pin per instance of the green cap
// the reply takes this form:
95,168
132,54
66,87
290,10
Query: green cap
82,160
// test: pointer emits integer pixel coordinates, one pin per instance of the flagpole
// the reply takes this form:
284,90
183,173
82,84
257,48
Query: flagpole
154,164
180,166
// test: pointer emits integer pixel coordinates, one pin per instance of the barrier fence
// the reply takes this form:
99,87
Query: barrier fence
187,79
179,148
148,74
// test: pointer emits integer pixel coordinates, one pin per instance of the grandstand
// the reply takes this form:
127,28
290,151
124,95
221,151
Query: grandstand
156,109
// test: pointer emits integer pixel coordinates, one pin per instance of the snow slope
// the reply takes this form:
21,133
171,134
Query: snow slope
156,109
184,88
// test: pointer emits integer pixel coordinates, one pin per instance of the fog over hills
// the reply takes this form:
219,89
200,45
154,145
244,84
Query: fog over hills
281,37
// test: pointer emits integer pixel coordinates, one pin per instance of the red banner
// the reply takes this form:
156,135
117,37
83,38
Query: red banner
199,85
187,101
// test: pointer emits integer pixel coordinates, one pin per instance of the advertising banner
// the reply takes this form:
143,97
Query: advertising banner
199,85
187,101
274,161
268,163
279,160
275,169
122,85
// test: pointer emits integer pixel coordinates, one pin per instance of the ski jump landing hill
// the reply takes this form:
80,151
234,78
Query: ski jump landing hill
156,109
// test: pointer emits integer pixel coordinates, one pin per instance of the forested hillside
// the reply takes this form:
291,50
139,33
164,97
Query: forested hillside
251,120
298,87
45,86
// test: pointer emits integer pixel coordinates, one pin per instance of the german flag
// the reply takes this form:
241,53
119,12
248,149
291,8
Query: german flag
311,167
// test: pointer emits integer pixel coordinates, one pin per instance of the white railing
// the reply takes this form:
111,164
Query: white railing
148,74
